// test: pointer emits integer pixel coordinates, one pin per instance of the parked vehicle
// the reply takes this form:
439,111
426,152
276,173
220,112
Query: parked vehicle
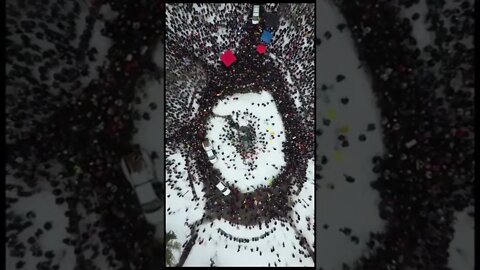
256,14
223,188
139,171
207,146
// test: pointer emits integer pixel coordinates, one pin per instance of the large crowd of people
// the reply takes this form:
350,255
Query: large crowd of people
426,100
60,110
190,32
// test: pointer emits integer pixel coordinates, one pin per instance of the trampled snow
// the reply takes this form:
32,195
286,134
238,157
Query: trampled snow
43,205
235,164
181,209
304,206
269,123
247,255
353,205
462,246
150,133
419,31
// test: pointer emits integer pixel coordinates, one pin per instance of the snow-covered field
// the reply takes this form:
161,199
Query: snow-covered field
240,168
341,203
227,253
48,231
49,227
45,209
182,211
462,246
344,198
246,109
304,205
356,203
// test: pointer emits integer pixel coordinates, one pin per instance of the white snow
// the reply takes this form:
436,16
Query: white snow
304,205
180,206
419,31
102,44
85,227
150,132
201,253
462,247
232,167
296,100
107,12
289,78
81,23
352,205
271,156
42,203
211,18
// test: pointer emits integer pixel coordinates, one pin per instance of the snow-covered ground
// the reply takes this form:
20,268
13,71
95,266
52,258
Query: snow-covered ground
48,212
268,124
244,170
356,203
304,205
42,203
341,203
419,30
150,132
150,135
219,36
224,251
462,246
182,211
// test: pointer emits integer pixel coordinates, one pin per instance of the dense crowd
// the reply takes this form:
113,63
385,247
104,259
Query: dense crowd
426,100
193,52
60,109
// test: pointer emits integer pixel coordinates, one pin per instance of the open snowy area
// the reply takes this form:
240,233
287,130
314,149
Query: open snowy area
244,108
350,129
239,136
65,192
227,253
462,246
141,135
341,202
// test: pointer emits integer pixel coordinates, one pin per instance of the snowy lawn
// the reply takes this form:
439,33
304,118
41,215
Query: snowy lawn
45,209
150,135
150,132
268,124
419,31
304,205
244,164
462,246
181,209
43,204
343,201
224,251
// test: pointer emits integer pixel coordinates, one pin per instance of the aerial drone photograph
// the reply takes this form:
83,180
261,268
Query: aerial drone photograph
83,185
394,169
331,134
239,123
